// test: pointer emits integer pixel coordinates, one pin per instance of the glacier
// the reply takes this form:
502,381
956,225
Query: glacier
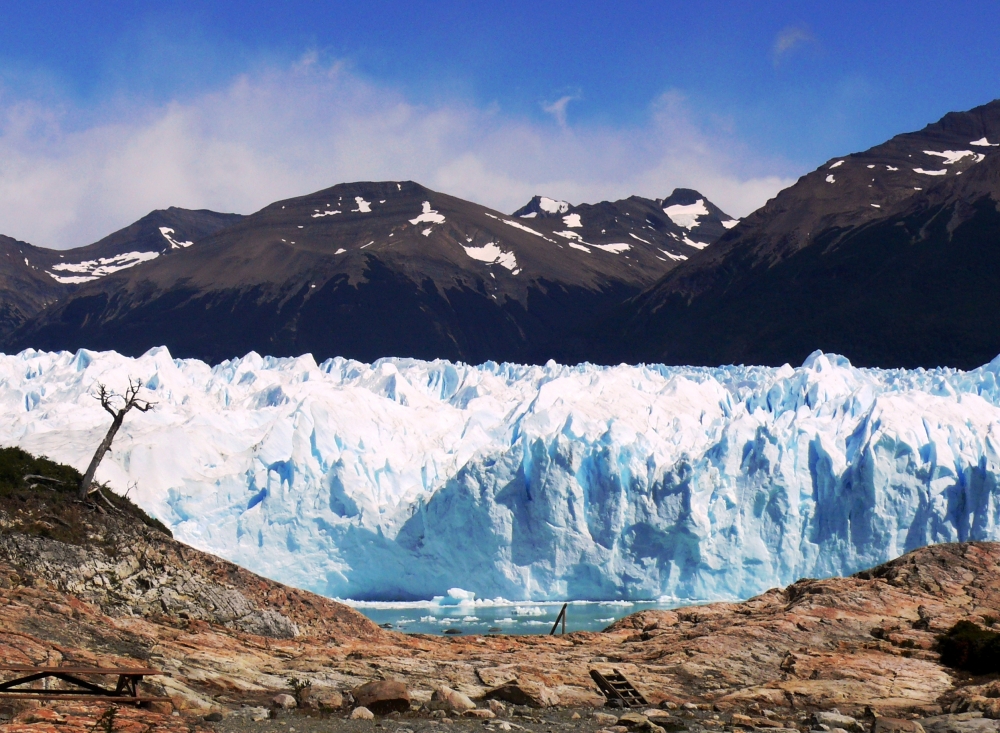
402,479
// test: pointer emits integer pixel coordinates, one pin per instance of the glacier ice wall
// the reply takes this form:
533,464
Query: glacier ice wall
403,478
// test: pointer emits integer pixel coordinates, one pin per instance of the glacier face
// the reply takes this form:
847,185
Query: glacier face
402,479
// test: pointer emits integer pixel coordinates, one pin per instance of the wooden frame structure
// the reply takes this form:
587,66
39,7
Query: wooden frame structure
126,690
616,686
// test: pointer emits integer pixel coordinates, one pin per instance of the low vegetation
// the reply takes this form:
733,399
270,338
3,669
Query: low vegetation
39,497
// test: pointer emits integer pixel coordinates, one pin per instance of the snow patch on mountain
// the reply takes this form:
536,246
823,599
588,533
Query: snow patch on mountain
572,221
428,216
552,206
983,142
492,254
364,207
93,269
174,244
402,479
951,156
686,215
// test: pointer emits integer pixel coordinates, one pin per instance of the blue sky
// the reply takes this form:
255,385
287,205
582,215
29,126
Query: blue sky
114,109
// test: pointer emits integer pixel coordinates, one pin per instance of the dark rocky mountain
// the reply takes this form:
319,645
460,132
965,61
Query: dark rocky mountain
890,257
366,270
36,278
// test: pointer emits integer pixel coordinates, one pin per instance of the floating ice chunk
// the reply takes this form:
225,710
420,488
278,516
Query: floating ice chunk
686,215
572,221
364,207
639,238
428,216
551,206
174,244
984,143
930,173
730,223
837,164
831,179
950,156
493,255
614,248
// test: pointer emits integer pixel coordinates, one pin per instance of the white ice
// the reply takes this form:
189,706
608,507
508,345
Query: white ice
673,256
730,223
930,173
518,225
93,269
614,248
405,478
950,156
551,206
174,244
428,216
983,142
572,221
692,243
639,238
492,254
831,179
686,215
364,207
837,164
320,214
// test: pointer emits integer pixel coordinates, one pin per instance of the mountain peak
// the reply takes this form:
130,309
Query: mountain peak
542,206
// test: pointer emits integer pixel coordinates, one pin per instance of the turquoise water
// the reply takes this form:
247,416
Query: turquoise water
502,617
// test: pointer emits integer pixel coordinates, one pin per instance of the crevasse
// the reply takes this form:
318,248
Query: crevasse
401,479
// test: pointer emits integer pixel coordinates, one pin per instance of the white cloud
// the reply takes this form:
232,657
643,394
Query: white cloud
790,38
558,108
288,132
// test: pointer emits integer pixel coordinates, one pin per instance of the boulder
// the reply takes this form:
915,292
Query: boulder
322,698
444,698
970,722
481,713
362,713
532,694
383,697
497,707
284,700
215,717
833,719
604,718
897,725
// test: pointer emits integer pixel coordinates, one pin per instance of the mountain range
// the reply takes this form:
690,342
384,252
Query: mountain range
886,256
364,270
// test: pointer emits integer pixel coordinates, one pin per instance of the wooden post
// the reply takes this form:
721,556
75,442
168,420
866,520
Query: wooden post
560,617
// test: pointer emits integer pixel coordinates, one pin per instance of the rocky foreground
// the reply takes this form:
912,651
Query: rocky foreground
232,643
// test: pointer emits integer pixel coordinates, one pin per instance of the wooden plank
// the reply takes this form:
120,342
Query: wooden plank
48,695
82,670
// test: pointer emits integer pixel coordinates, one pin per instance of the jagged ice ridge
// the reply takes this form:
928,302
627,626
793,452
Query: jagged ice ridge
401,479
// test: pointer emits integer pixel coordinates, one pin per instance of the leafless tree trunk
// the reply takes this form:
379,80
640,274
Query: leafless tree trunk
130,399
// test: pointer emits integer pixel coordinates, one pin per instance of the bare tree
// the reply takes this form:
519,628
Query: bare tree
108,398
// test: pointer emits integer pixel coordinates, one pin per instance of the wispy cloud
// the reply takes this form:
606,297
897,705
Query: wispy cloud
290,131
788,39
558,108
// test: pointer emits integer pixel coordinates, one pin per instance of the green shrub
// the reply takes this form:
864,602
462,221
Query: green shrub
970,647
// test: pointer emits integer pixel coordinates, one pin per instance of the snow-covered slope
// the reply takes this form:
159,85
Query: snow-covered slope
404,478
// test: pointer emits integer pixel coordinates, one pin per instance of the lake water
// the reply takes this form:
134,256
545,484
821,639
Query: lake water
499,616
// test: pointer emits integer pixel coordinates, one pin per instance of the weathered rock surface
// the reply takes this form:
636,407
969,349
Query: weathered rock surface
847,643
